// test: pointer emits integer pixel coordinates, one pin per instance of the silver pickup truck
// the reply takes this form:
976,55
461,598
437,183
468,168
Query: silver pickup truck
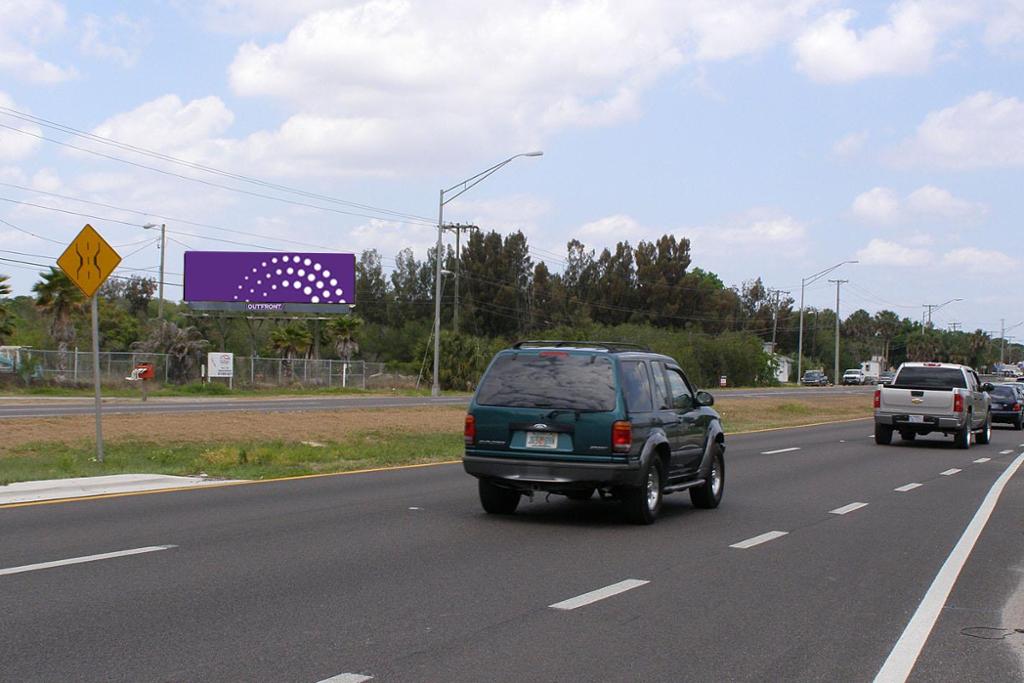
934,397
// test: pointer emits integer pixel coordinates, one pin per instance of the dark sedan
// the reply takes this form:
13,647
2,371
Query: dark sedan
1007,404
814,378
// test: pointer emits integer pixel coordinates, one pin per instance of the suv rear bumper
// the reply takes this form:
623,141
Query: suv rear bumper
552,475
932,423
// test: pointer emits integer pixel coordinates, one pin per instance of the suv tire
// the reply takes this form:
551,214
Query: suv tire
708,495
985,435
1019,424
642,503
497,500
883,434
963,436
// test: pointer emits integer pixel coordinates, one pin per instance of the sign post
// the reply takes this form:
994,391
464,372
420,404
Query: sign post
88,262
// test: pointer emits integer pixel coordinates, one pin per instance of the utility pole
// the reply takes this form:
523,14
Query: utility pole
163,250
458,228
1002,340
775,313
800,339
954,326
838,283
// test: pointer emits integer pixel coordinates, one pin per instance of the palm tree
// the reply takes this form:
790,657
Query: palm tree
343,330
58,297
184,347
6,321
291,340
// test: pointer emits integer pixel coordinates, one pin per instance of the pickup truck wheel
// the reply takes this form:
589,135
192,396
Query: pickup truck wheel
985,435
883,434
642,503
497,500
963,436
709,494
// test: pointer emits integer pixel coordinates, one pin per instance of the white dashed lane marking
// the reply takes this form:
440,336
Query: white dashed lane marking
86,558
781,450
1006,452
950,472
758,540
599,594
980,460
347,678
907,487
848,508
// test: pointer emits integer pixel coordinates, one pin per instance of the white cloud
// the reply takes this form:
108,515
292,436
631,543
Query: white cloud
167,125
830,51
24,25
118,38
977,260
877,205
884,253
609,230
1006,25
850,144
47,180
17,146
882,205
982,130
754,230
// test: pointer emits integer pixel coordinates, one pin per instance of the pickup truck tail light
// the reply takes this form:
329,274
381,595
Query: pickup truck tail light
622,436
958,403
878,398
469,433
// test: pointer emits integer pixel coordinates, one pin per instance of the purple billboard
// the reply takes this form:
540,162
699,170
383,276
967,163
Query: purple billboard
270,277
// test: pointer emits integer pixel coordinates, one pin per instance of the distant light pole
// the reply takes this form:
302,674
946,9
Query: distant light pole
447,196
1002,337
800,344
163,248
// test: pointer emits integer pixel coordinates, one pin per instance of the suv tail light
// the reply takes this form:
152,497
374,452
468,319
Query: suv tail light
622,436
958,403
1016,407
878,398
470,431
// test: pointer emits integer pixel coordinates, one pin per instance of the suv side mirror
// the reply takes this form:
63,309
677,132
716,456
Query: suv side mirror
705,399
987,386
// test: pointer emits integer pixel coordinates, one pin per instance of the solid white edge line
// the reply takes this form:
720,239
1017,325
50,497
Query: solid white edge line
847,508
86,558
900,662
758,540
781,450
347,678
907,487
980,460
599,594
950,472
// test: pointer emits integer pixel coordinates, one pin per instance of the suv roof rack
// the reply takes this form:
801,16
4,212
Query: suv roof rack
607,346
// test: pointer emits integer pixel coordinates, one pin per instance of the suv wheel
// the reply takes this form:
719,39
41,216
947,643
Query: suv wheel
1019,424
709,494
642,503
497,500
985,435
883,434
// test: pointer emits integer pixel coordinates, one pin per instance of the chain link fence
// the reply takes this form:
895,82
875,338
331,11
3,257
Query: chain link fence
249,372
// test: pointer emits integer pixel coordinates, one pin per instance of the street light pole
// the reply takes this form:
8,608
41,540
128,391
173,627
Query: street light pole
800,343
447,196
163,250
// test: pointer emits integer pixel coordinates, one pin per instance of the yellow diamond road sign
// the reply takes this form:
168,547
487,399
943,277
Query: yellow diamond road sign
89,261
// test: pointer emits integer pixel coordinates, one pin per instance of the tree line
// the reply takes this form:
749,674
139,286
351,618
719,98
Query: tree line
649,293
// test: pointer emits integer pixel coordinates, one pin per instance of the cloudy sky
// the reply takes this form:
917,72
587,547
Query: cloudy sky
780,137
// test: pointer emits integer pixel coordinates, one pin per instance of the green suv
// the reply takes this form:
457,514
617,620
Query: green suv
572,417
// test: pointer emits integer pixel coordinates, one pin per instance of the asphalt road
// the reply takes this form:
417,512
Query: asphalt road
30,406
400,576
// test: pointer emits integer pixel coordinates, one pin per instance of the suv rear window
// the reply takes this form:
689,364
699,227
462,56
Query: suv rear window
931,378
552,379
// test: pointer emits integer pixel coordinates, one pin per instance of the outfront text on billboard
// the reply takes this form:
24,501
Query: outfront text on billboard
259,277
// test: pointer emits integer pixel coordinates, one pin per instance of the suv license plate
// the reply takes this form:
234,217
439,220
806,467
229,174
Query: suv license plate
541,440
916,418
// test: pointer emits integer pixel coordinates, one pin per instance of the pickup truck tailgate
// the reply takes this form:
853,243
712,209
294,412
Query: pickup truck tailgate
917,400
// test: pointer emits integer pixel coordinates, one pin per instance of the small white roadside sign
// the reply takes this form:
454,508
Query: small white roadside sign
220,365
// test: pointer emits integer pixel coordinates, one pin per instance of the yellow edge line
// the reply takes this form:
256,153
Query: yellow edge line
105,496
813,424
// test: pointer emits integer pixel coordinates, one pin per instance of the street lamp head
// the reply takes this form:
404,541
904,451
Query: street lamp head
536,153
147,226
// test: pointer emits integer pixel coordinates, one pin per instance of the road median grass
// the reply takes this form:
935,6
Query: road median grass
265,445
